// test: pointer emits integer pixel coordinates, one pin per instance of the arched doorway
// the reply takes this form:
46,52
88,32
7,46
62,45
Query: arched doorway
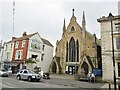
84,68
54,67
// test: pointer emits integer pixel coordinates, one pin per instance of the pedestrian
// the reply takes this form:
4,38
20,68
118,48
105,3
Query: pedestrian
89,76
92,77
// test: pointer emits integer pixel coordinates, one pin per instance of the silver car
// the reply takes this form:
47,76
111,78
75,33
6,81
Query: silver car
27,74
3,73
9,72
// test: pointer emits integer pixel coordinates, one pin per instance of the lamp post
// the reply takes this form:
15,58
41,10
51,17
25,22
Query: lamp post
110,18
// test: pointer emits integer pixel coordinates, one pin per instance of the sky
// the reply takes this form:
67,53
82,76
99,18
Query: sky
47,16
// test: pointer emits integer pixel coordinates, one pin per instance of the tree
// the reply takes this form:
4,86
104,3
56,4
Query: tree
31,61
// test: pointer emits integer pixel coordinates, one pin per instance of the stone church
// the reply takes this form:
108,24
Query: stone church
78,51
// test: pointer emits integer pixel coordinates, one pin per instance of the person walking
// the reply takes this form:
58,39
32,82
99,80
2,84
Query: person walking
89,76
92,77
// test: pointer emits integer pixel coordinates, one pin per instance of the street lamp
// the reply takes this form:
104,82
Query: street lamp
110,18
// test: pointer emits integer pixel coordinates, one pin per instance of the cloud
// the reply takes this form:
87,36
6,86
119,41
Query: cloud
47,17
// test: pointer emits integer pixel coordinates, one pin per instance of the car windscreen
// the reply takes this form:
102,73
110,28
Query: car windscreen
31,72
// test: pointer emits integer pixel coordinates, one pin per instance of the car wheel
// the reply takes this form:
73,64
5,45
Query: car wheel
29,79
44,77
18,77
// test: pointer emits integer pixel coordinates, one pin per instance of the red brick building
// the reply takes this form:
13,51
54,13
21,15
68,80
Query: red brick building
20,50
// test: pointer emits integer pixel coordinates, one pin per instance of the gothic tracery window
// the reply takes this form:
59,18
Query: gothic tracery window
67,52
72,50
77,44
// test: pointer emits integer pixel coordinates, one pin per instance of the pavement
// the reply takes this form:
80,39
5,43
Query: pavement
68,80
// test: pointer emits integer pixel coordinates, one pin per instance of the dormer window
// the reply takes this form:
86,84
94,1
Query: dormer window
16,45
72,29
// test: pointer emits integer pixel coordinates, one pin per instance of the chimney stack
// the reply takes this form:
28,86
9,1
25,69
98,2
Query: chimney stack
13,38
24,34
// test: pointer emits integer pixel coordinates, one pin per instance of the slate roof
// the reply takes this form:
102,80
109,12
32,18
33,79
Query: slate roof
21,38
98,41
29,36
46,42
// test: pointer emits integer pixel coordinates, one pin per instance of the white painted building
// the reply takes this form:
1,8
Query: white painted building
47,55
43,53
34,49
106,40
7,54
1,51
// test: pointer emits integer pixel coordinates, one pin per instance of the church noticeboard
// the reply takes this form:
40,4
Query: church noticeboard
97,72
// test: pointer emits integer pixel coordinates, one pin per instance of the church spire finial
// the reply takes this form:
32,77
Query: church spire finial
64,27
73,15
73,11
83,20
84,33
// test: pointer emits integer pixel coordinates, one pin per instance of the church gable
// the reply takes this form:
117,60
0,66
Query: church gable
73,26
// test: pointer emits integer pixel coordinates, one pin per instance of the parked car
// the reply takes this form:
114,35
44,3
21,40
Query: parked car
3,73
9,72
27,74
46,75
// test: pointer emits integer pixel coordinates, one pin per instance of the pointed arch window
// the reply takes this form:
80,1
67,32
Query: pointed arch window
77,46
67,52
72,29
72,50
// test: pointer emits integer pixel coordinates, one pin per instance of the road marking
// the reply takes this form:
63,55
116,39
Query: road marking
5,86
24,82
105,86
47,85
29,82
5,78
9,84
